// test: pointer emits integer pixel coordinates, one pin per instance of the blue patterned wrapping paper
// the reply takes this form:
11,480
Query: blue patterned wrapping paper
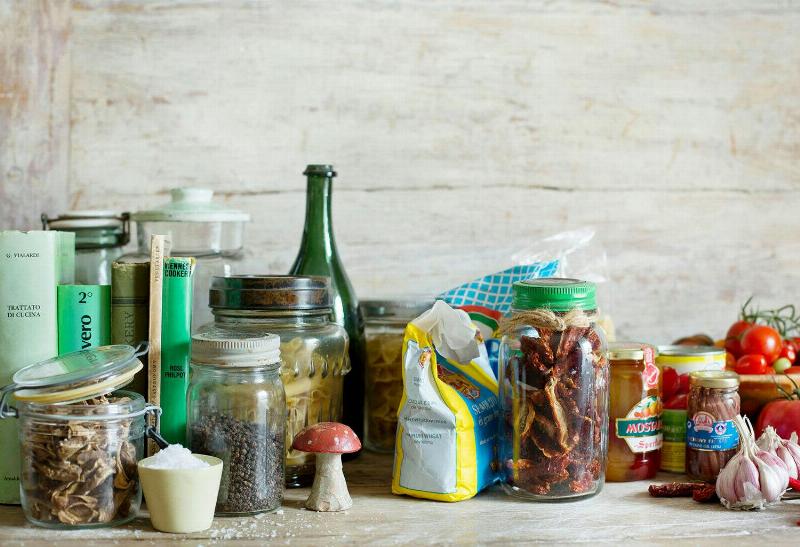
488,298
494,291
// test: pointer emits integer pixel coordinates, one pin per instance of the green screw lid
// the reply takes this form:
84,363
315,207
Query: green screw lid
554,293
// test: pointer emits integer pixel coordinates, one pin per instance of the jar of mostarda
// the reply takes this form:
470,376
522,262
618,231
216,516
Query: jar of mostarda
634,437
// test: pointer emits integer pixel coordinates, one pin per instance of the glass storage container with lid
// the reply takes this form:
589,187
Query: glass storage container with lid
197,227
384,328
553,390
80,437
712,438
100,237
313,348
237,412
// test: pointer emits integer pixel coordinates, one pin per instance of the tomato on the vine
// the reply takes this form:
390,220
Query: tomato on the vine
781,365
751,364
733,340
788,351
762,340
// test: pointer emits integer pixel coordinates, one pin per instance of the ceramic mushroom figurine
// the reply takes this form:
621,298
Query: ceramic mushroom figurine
328,440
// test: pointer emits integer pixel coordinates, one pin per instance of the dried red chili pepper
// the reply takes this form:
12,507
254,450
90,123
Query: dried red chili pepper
672,489
699,491
705,493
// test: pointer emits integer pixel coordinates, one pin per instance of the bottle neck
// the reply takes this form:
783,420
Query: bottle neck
318,238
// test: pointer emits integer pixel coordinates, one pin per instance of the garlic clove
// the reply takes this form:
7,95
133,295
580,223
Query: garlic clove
746,474
726,480
773,475
794,452
774,462
783,453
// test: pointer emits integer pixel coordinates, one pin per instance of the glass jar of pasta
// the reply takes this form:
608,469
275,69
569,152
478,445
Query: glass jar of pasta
384,327
313,348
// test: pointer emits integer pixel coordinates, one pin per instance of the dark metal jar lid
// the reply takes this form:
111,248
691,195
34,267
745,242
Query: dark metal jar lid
270,292
400,308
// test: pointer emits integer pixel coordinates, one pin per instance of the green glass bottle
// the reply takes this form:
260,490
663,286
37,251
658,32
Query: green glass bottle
318,256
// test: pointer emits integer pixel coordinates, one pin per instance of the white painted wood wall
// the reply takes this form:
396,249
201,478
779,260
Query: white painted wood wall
461,130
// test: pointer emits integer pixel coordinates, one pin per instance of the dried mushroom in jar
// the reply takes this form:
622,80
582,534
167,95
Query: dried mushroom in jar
79,472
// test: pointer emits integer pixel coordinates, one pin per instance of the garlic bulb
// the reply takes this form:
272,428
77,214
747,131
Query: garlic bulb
754,477
787,450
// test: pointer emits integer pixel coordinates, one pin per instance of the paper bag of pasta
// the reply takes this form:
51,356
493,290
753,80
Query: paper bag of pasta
448,417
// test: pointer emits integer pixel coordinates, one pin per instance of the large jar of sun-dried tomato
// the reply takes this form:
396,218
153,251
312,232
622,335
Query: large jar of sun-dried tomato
553,391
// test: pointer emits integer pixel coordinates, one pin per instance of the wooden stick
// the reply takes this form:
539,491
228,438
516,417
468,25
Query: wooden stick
159,248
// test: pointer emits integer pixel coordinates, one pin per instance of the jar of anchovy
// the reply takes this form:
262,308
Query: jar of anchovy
711,435
553,391
81,438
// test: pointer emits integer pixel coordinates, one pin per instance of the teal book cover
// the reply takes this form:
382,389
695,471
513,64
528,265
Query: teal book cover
176,343
84,317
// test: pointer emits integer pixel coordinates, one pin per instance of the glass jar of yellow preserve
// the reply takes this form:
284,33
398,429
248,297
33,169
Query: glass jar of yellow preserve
384,327
634,436
313,348
675,364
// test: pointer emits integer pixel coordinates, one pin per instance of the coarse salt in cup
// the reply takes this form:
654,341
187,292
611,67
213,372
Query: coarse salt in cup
181,489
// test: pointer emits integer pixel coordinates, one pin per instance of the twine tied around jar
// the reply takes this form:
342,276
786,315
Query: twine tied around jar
547,319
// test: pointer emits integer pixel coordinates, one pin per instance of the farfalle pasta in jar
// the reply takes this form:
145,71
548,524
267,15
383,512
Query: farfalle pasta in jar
384,327
554,378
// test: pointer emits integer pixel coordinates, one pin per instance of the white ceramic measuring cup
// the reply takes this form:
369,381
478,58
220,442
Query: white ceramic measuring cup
181,500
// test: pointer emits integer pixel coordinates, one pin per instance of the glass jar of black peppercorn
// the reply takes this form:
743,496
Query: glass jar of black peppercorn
237,412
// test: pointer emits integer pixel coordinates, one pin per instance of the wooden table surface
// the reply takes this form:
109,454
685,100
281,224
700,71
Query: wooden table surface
621,512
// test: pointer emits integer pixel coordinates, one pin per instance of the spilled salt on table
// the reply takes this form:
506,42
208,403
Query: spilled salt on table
175,456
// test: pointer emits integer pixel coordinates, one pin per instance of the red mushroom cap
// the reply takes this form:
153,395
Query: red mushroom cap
327,437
